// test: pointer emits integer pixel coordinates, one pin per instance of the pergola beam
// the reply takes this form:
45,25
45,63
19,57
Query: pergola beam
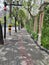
12,4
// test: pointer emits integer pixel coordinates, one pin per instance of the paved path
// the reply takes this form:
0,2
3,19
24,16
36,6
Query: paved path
20,49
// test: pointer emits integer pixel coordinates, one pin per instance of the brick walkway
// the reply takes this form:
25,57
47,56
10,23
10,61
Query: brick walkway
20,49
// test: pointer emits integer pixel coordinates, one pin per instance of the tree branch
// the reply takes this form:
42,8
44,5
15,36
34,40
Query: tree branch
28,11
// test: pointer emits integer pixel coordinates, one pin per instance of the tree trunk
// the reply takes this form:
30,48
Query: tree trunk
35,24
40,27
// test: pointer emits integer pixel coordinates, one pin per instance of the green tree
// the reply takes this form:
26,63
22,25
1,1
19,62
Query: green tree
45,30
22,17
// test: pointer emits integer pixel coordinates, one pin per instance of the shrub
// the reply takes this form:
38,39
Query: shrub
35,36
45,29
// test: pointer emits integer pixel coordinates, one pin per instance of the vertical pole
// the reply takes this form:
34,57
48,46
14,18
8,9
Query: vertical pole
15,25
16,19
4,26
10,15
4,19
1,34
